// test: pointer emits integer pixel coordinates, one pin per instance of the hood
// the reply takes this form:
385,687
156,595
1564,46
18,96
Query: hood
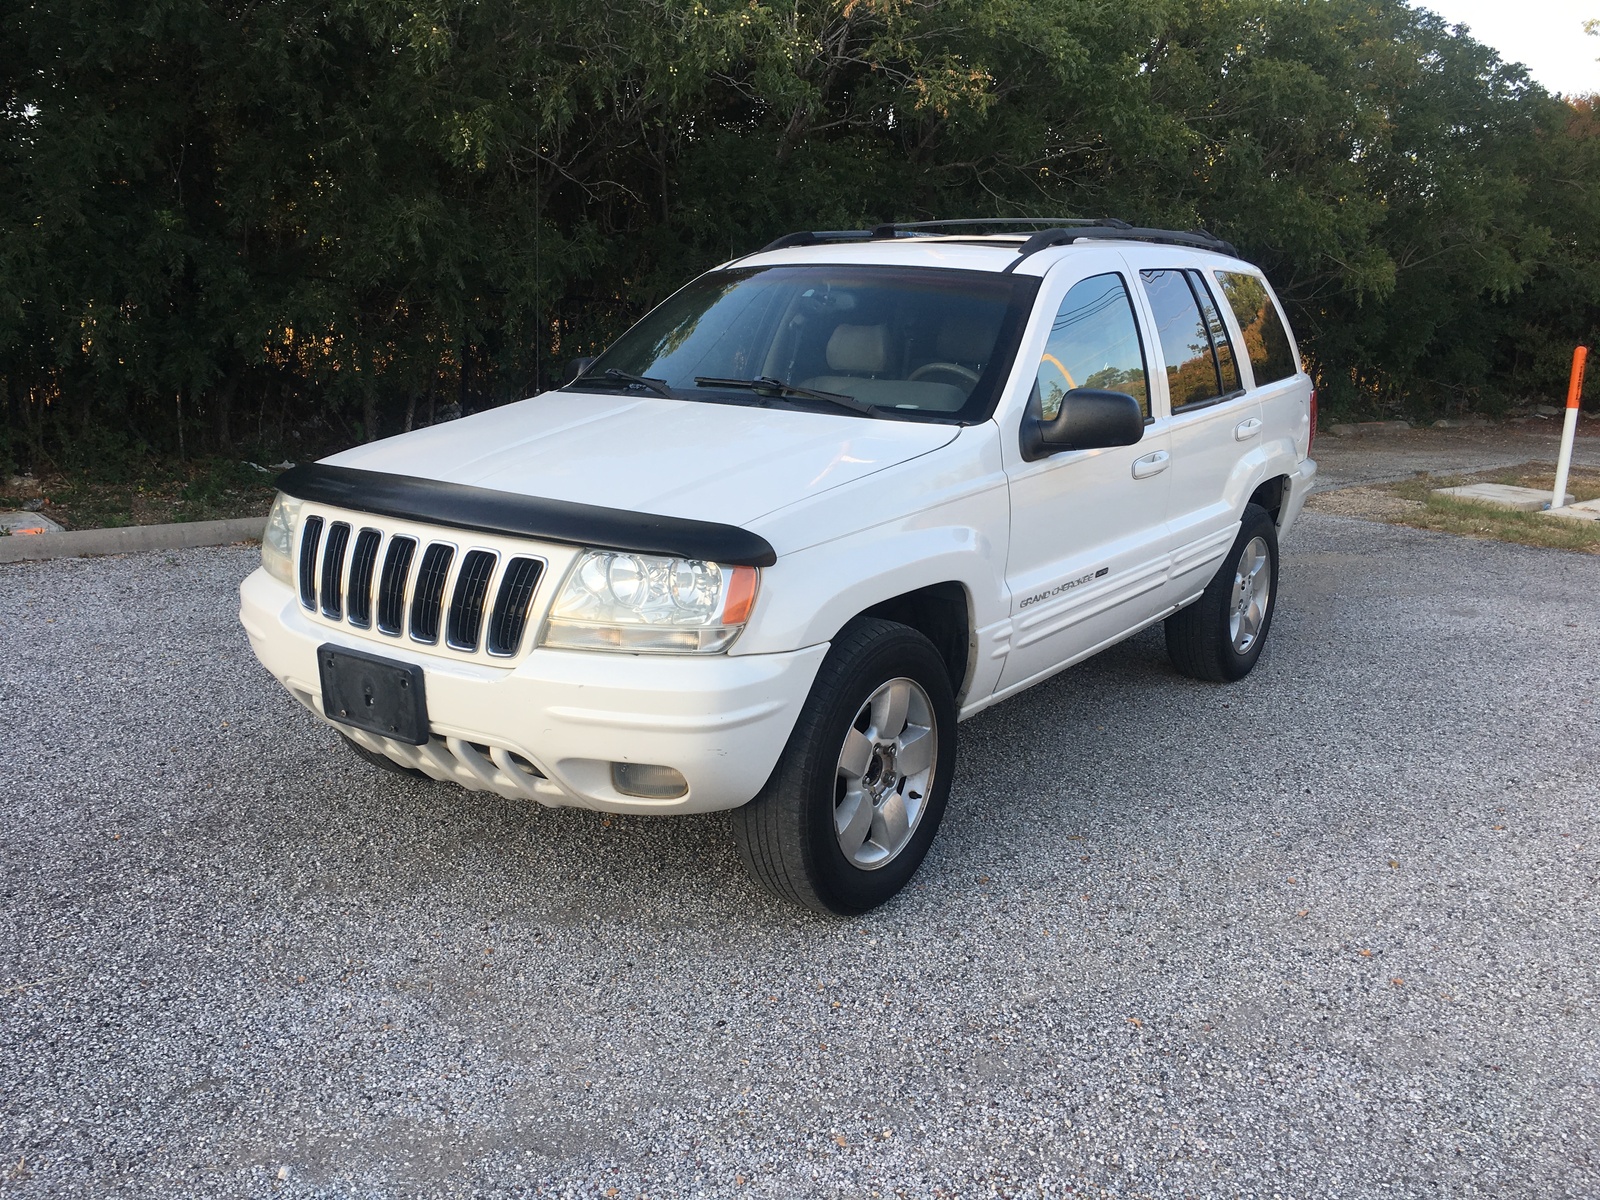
730,463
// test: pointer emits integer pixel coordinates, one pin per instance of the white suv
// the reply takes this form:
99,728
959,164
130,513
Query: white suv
822,504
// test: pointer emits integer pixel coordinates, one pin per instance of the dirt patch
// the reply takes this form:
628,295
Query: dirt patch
160,494
1413,502
1370,503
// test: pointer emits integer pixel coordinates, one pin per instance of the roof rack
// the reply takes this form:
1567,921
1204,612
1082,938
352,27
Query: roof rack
1120,231
1060,231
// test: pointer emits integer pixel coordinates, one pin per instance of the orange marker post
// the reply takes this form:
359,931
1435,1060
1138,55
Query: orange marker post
1558,498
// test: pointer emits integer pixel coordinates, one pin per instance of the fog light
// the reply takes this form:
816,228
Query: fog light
648,782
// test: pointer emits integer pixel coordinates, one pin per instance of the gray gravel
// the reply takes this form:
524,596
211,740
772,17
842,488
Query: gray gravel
1389,457
1329,932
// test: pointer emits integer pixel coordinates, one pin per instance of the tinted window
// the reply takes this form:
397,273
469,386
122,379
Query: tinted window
1265,339
1094,343
921,342
1220,342
1185,342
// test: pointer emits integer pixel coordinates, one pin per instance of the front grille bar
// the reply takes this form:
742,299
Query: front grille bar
465,621
358,604
309,540
510,615
333,571
425,589
392,589
427,601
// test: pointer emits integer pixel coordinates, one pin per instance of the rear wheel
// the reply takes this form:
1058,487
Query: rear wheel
1219,637
854,802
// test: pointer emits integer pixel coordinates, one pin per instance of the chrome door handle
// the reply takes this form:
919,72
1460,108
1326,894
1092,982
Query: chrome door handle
1245,430
1151,464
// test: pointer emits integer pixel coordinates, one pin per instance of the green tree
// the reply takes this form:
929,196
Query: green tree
224,222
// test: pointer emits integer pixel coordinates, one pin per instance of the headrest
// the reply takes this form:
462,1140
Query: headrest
963,340
863,348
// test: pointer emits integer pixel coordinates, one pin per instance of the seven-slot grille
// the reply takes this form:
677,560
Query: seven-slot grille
367,578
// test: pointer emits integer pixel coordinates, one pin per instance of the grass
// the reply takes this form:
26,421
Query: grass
1413,502
205,489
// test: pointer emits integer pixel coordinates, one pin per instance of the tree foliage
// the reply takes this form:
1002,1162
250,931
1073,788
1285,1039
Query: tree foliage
226,222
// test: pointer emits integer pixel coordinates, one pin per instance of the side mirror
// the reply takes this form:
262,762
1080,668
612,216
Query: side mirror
1090,419
575,368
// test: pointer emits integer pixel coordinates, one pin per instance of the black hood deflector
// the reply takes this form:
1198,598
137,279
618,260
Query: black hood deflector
488,511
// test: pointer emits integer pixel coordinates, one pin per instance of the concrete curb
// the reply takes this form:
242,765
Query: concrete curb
80,543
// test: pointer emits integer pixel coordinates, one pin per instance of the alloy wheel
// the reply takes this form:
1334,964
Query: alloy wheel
885,773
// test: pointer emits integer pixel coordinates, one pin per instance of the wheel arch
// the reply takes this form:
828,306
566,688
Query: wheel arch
1272,494
937,581
942,613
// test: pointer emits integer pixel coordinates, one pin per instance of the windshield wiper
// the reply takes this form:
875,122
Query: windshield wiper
612,375
765,385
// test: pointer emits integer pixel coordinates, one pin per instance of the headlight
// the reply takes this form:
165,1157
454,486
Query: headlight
646,603
277,543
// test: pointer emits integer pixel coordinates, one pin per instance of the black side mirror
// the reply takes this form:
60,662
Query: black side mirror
1089,420
575,368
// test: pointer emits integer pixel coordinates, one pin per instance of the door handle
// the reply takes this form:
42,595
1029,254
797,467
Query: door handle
1245,430
1151,464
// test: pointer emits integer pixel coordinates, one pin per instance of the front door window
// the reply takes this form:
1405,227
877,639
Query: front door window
1093,343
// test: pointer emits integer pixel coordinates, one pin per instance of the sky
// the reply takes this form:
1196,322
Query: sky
1546,36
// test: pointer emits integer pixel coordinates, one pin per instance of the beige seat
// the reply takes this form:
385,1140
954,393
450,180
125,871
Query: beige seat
859,349
860,353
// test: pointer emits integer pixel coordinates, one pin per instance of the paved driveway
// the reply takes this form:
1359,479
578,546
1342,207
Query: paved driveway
1329,932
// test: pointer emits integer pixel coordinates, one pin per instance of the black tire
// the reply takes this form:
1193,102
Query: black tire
382,760
787,837
1200,639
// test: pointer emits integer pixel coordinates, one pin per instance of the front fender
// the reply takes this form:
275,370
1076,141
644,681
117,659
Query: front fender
808,597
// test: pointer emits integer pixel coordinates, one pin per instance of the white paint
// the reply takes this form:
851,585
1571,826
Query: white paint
1569,430
859,512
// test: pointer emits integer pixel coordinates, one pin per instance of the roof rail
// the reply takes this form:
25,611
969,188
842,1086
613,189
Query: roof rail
1120,231
1061,231
891,229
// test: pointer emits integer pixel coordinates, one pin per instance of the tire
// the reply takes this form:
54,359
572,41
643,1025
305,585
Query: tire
845,758
382,760
1219,637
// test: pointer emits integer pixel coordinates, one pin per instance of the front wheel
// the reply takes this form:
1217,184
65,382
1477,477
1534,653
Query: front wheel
854,802
1219,637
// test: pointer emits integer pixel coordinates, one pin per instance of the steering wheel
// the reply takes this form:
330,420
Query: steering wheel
965,374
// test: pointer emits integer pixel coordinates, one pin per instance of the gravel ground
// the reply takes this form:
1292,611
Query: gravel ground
1328,932
1389,457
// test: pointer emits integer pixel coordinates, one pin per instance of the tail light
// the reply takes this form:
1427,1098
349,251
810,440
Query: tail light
1311,439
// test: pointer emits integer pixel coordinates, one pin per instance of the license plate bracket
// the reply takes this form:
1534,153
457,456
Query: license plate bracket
368,691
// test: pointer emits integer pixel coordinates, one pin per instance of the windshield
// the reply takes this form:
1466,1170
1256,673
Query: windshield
923,343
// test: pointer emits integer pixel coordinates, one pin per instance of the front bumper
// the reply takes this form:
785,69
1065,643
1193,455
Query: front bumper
567,715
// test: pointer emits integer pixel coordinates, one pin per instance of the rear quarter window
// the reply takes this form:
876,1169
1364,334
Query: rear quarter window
1266,341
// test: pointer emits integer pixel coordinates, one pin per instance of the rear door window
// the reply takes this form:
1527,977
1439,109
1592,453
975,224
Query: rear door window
1221,344
1094,343
1266,341
1193,376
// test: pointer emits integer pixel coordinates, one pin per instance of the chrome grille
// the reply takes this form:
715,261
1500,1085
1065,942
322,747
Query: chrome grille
474,601
309,540
510,616
333,570
427,598
392,590
465,621
358,603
